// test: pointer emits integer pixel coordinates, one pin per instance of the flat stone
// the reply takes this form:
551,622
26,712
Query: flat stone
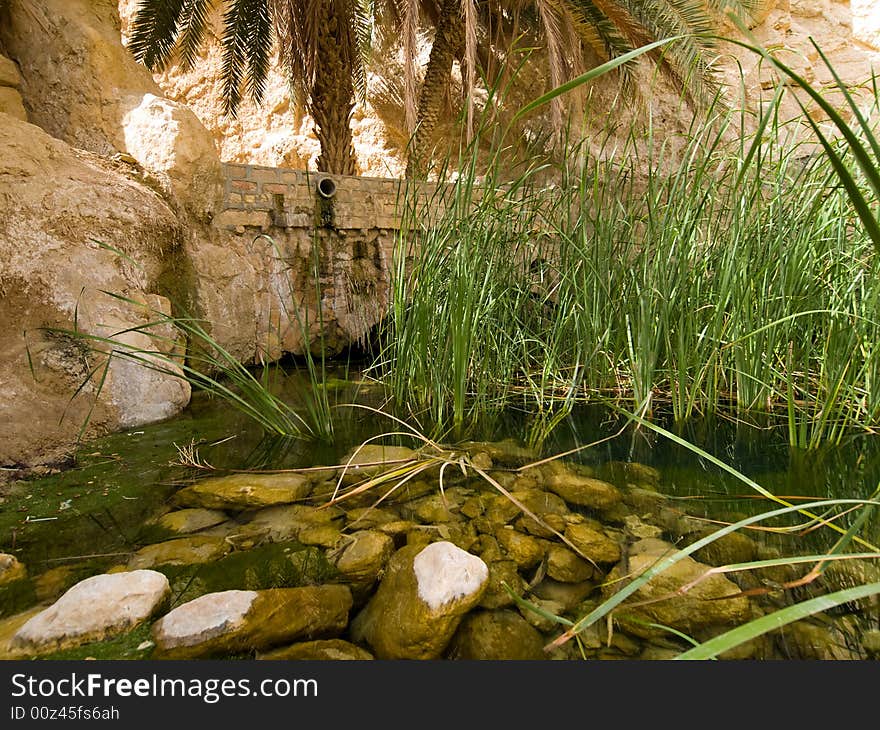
372,459
245,491
180,551
93,610
583,491
185,521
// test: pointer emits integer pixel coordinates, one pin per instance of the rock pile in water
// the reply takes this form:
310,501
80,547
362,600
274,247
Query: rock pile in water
491,566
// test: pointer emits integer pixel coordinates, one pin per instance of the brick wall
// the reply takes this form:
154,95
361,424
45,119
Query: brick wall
264,197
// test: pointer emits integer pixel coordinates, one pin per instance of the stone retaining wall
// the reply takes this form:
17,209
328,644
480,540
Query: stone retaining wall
264,197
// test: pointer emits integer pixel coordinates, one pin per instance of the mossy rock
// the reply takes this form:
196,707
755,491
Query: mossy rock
245,491
180,551
496,635
320,650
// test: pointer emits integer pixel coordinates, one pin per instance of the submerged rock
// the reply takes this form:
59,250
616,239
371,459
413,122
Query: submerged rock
596,545
502,573
241,621
287,522
361,557
11,569
185,521
94,609
372,459
420,601
567,567
245,491
714,601
526,551
496,635
181,551
321,650
584,491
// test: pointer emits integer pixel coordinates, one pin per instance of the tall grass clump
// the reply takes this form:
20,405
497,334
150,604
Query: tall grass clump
731,269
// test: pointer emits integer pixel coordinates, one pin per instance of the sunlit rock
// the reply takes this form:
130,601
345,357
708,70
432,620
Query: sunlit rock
93,610
420,601
235,621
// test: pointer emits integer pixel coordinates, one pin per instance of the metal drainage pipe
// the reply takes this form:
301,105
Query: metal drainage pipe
326,188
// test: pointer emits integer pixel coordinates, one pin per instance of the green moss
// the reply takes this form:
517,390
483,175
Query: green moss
16,597
120,647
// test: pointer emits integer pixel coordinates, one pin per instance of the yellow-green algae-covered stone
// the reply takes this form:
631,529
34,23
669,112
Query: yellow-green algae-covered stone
233,621
245,491
421,600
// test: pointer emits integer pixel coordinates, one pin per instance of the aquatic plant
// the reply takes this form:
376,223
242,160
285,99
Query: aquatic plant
732,270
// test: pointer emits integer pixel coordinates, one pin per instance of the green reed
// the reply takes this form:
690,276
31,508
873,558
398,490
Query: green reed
729,269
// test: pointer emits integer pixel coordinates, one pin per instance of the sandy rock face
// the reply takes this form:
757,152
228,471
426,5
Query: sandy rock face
82,86
78,79
169,141
94,609
55,203
10,98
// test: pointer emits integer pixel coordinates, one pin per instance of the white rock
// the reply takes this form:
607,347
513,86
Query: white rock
445,572
167,139
94,609
204,618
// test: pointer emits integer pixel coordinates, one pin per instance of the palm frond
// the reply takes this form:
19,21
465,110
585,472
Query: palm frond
154,31
191,31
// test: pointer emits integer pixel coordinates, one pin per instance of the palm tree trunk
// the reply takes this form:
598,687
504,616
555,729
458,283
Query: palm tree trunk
332,96
447,41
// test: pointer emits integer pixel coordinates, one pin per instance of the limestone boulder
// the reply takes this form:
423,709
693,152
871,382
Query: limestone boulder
236,621
59,210
94,609
169,141
420,601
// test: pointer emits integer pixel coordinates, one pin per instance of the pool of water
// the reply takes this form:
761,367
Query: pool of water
91,517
